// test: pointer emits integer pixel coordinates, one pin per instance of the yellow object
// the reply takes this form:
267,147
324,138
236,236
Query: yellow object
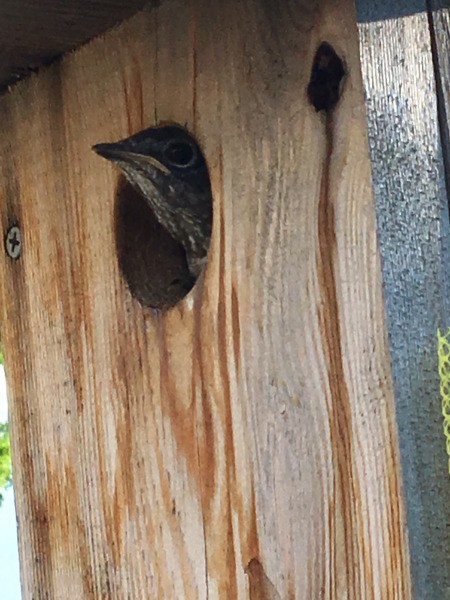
444,374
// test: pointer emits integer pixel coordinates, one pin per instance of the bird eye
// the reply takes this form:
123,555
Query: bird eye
180,154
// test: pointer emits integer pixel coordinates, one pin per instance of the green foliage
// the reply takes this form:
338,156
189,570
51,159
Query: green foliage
5,459
5,451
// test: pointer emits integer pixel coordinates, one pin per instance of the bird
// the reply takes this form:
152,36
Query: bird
167,167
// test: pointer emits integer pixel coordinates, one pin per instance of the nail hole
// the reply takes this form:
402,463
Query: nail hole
163,213
324,88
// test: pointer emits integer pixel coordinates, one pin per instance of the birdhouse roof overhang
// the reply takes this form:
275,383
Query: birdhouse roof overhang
35,33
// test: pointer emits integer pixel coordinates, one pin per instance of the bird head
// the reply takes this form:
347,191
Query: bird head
166,165
159,154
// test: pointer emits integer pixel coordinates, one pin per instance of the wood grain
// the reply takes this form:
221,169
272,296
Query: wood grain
413,227
35,34
439,23
242,444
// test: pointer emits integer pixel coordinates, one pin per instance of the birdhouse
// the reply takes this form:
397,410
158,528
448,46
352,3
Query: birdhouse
220,343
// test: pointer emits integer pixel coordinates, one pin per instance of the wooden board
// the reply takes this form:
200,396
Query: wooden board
439,22
413,226
243,444
34,33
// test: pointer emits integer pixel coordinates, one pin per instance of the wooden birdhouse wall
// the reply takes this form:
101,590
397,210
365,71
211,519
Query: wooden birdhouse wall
242,444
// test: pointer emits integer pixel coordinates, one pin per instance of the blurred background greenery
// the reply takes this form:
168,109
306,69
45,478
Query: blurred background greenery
5,454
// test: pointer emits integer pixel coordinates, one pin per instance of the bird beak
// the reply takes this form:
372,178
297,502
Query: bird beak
109,151
116,153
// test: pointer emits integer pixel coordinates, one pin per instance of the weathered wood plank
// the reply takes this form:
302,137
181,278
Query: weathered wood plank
33,33
439,22
243,444
413,228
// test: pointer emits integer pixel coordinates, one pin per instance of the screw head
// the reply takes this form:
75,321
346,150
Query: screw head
13,242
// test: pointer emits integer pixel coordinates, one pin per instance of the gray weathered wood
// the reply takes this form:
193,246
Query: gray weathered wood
439,21
413,232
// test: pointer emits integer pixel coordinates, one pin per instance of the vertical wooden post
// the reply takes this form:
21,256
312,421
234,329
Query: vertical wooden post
413,224
242,444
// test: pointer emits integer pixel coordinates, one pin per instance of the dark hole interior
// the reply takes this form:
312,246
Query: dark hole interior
324,88
152,262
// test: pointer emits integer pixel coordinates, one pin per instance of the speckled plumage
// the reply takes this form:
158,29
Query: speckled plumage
166,165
